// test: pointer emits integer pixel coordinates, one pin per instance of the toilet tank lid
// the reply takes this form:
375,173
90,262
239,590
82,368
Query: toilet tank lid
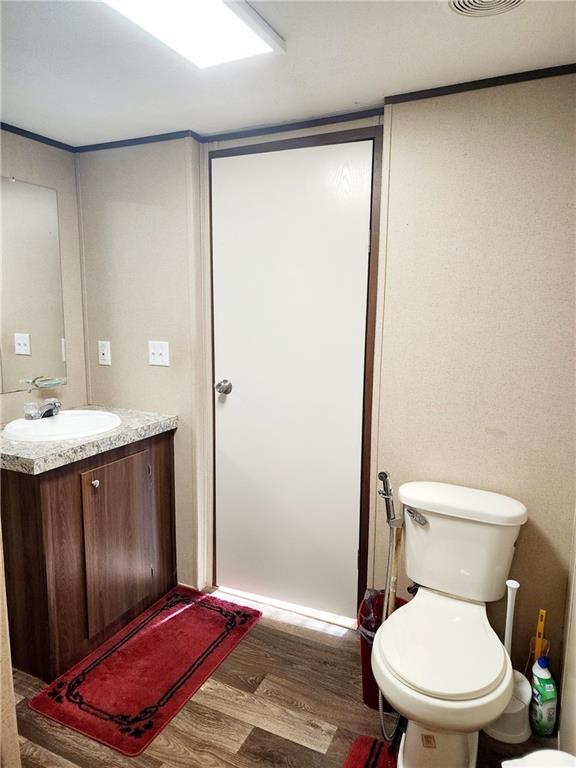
467,503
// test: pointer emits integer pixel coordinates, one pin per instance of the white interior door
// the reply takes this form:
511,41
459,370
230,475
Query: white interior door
291,234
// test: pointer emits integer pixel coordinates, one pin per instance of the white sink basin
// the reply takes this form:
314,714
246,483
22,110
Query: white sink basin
67,425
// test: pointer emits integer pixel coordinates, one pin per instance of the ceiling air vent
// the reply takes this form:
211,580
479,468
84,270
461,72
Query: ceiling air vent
483,7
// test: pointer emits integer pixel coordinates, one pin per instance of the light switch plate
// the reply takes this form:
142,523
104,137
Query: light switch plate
158,353
22,344
104,353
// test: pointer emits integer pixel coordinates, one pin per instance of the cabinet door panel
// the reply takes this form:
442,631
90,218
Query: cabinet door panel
117,507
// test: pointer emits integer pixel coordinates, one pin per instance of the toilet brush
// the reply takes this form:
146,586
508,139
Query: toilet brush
513,725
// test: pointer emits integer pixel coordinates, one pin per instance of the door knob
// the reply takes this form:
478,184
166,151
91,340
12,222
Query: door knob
95,483
223,387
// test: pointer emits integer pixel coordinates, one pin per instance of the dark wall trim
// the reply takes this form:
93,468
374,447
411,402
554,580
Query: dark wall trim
36,137
476,85
316,140
296,126
281,128
472,85
140,140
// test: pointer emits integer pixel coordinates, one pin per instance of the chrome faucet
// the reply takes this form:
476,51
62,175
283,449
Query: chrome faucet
50,407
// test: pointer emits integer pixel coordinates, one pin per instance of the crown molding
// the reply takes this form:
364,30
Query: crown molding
472,85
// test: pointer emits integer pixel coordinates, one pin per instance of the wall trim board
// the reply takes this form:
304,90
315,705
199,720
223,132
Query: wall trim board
104,145
140,140
36,137
471,85
297,125
314,140
488,82
201,139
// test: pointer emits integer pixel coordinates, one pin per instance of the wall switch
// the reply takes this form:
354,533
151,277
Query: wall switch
158,353
22,344
104,353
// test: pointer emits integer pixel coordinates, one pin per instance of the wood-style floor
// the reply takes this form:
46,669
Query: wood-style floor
289,696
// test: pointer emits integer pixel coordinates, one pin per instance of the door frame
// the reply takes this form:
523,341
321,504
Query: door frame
370,133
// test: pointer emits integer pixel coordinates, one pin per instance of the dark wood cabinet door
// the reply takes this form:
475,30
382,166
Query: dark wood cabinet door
116,508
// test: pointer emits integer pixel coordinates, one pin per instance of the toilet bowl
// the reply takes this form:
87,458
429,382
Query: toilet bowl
437,660
439,663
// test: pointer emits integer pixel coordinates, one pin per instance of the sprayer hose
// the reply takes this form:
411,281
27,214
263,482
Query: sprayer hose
387,736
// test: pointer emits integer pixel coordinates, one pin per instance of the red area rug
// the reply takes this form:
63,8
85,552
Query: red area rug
367,752
131,686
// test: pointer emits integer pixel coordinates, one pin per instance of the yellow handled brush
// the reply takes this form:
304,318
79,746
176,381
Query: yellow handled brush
539,645
540,624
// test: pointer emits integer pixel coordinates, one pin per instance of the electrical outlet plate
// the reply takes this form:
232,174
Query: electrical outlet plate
158,353
104,353
22,345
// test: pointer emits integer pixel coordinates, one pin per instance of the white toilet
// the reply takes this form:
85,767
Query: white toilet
437,660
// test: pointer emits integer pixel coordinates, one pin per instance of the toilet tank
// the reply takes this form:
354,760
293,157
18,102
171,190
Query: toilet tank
460,540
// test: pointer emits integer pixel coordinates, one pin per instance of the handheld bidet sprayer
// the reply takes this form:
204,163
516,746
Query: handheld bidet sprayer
394,521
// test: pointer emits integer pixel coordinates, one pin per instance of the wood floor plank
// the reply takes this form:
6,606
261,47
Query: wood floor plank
274,652
280,641
199,723
178,751
263,749
83,752
321,703
35,756
241,670
261,712
272,648
315,631
25,685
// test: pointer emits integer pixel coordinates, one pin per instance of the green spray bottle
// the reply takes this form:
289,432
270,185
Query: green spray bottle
544,699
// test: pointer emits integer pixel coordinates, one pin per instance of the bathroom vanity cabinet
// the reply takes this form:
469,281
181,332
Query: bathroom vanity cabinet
87,547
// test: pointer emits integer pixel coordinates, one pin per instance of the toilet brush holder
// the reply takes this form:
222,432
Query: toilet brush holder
513,725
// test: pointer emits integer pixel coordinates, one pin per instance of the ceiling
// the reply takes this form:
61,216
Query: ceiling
81,73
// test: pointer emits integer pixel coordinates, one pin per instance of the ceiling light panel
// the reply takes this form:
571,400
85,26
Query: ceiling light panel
206,32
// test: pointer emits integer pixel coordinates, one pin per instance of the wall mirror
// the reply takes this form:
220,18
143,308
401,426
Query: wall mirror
32,343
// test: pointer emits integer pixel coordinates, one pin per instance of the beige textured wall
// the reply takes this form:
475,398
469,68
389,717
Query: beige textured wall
477,383
50,167
567,727
138,210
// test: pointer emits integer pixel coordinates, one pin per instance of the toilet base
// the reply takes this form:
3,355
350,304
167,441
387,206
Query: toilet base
422,748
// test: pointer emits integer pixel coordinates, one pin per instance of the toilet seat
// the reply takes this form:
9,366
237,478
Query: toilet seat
443,647
432,656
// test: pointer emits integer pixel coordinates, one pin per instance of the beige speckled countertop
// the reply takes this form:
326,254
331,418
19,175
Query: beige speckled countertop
35,458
